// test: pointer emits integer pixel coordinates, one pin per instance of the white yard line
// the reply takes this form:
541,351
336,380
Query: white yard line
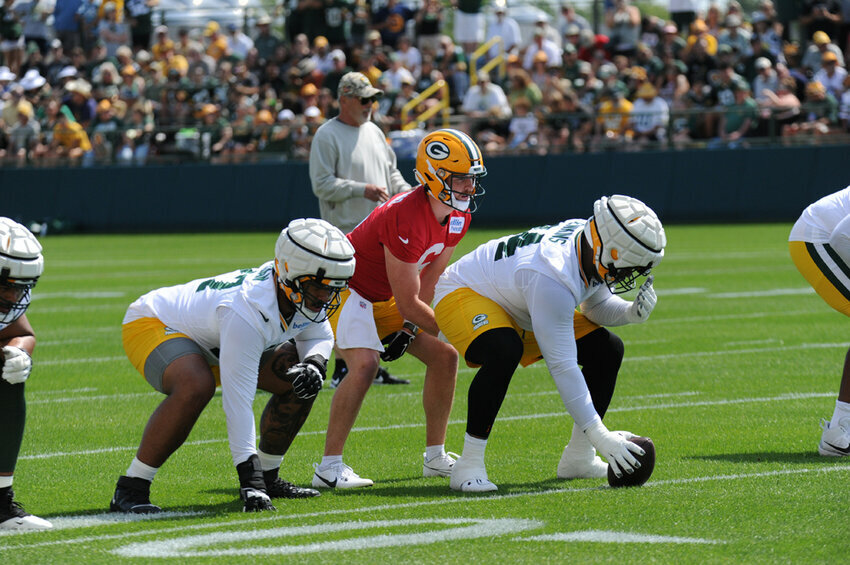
560,414
370,510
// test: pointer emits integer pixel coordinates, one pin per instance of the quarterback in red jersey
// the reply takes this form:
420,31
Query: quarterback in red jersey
401,249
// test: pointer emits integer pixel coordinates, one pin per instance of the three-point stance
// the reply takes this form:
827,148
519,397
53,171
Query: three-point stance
402,247
235,329
21,264
513,300
820,247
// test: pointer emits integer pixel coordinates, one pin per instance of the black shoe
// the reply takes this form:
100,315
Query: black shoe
255,500
385,378
14,517
284,489
133,496
340,370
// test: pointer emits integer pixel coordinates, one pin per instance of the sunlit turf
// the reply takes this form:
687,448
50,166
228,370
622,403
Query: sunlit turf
729,377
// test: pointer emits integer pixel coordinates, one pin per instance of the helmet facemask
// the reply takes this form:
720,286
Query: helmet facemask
14,299
315,298
449,196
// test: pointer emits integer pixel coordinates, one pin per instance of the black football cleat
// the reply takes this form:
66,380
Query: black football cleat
385,378
255,500
284,489
133,496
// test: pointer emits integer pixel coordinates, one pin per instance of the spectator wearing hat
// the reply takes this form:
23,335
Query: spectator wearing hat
487,106
24,134
161,43
6,78
79,101
266,41
540,42
340,68
139,15
831,75
321,54
821,44
768,33
11,36
670,42
821,113
735,36
700,33
105,131
613,120
238,42
113,32
429,26
649,116
70,141
217,46
766,79
504,26
821,15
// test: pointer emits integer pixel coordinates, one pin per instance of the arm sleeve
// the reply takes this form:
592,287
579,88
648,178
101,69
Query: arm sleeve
317,339
551,307
326,185
241,347
606,309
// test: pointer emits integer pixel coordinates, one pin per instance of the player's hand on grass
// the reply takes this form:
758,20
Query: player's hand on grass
644,302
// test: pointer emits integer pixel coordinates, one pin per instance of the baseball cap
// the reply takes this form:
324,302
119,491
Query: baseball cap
820,37
312,112
337,55
762,63
320,41
356,85
160,29
69,71
829,56
309,89
286,114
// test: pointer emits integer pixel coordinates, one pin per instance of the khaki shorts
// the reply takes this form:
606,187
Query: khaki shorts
828,274
464,314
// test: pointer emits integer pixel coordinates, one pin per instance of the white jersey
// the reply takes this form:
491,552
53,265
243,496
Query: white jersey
536,277
818,221
234,317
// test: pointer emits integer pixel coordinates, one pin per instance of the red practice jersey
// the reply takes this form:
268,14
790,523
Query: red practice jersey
405,225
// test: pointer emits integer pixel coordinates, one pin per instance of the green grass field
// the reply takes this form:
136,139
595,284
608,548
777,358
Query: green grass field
730,377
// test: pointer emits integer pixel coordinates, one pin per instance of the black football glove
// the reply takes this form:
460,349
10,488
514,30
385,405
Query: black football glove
307,377
397,343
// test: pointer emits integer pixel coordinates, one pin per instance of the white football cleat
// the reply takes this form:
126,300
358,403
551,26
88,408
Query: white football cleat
835,440
14,517
470,477
338,476
576,467
440,466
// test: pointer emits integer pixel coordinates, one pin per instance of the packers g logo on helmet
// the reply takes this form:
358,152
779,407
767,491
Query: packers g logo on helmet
446,156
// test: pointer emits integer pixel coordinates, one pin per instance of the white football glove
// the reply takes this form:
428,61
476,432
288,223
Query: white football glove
615,448
17,364
643,304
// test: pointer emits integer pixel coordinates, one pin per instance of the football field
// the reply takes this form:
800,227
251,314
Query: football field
729,377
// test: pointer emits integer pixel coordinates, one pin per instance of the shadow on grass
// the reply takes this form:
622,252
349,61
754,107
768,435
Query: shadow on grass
804,457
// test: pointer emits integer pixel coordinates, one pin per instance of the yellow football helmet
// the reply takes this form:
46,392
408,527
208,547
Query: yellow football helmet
447,155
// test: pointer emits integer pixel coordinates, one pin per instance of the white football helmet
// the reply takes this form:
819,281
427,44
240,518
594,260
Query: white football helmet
21,264
313,262
627,239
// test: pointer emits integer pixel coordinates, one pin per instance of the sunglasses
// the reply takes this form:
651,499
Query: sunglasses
365,101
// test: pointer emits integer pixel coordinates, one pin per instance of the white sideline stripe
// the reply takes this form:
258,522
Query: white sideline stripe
77,295
404,505
782,397
96,397
84,360
607,536
108,518
723,317
52,342
30,395
82,308
843,345
764,293
683,290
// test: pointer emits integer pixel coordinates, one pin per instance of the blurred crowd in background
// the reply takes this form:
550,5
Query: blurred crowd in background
114,81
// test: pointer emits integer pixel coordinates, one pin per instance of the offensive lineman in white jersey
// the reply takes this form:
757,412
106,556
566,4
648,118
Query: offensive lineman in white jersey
820,248
513,300
235,330
21,264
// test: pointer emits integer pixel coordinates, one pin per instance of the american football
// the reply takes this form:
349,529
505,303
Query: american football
640,476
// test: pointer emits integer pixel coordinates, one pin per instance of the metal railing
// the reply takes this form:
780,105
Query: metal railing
499,60
442,105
